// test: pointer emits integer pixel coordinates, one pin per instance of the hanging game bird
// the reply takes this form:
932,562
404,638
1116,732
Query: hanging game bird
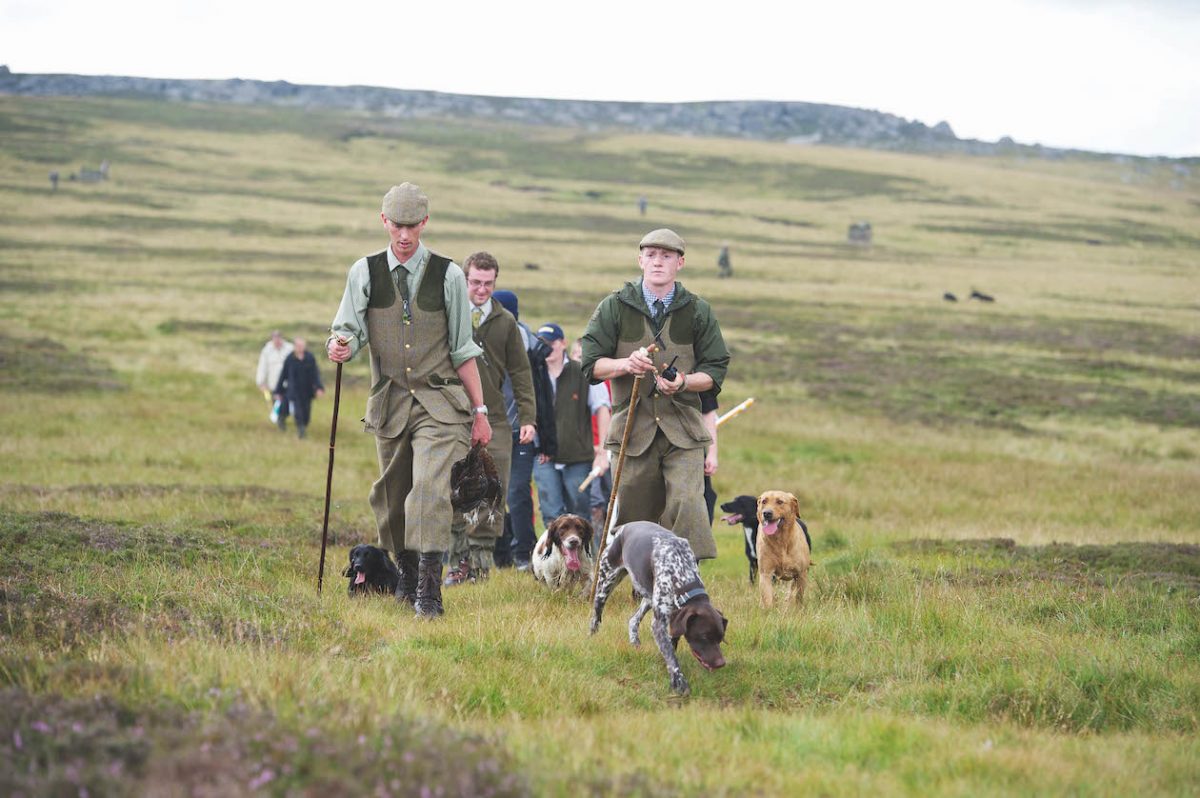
475,486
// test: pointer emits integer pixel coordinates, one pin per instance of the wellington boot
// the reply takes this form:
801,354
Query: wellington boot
406,588
429,585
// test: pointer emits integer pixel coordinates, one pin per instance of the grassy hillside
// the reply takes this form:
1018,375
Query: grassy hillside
1002,495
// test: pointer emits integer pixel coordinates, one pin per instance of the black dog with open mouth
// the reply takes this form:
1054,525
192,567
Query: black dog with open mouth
371,570
744,510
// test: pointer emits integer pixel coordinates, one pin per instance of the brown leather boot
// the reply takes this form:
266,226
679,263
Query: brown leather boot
406,588
429,585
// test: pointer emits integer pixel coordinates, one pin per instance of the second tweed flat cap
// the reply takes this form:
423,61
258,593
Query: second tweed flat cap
663,238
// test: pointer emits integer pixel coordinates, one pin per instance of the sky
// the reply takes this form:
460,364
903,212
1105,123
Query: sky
1105,75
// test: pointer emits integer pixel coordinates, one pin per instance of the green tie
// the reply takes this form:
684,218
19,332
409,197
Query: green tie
402,284
476,317
660,312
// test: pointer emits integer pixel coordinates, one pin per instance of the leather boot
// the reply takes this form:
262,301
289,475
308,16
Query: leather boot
406,588
429,585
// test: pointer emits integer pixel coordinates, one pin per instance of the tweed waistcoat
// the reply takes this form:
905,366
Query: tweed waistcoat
410,358
573,417
677,416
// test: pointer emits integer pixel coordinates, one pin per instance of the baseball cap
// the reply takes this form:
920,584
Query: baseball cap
550,331
508,299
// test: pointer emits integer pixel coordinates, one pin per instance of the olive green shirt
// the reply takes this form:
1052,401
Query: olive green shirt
350,323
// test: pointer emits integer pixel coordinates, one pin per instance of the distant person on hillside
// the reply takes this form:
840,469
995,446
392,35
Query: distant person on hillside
270,363
426,403
724,265
299,381
642,203
663,480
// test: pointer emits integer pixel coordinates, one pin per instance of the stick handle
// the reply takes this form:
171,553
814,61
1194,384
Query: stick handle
595,472
744,406
337,399
612,498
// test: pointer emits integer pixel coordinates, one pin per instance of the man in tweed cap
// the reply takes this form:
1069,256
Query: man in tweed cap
663,475
411,306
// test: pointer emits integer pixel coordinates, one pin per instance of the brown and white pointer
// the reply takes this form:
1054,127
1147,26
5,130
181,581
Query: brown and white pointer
663,570
784,548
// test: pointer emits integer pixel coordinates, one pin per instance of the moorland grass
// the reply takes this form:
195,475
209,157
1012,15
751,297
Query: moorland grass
1005,595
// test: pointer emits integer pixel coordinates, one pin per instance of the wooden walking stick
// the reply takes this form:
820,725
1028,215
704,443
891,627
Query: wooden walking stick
616,481
337,398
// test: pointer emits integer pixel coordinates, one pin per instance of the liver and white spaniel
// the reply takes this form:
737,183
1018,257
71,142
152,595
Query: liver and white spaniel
563,554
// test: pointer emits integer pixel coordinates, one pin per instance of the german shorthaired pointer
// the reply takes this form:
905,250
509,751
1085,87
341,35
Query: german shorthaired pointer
663,571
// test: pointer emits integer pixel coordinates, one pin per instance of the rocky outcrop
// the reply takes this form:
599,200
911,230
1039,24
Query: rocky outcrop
796,122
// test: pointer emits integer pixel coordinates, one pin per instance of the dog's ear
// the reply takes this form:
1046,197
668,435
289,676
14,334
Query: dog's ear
554,532
587,533
680,620
795,506
724,622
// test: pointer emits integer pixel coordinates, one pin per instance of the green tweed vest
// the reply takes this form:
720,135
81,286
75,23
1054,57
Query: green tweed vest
410,358
677,416
573,418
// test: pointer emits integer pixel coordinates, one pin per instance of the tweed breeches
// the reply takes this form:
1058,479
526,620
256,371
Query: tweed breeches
411,498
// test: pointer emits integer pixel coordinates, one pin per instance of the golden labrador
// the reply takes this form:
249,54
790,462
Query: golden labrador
784,548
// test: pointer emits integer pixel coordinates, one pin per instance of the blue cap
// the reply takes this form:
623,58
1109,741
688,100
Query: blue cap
508,299
550,331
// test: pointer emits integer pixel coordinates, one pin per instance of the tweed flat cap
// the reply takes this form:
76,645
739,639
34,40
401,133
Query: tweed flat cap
405,204
664,239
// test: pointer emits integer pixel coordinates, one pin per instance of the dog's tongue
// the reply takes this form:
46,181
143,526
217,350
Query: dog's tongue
572,560
771,527
732,518
359,578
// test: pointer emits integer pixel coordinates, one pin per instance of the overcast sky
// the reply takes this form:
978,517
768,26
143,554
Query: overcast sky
1103,75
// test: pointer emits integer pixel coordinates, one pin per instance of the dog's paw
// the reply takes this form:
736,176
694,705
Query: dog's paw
680,686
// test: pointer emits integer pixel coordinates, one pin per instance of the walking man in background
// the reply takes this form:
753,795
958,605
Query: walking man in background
663,478
558,477
411,306
270,364
515,545
504,358
299,381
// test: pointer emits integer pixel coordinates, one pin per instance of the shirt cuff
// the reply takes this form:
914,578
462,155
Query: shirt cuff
464,353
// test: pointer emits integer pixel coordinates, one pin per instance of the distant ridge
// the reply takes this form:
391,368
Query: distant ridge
799,122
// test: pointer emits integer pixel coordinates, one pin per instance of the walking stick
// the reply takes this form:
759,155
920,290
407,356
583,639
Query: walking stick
337,398
616,482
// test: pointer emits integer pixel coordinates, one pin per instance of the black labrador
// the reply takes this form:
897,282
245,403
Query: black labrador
371,570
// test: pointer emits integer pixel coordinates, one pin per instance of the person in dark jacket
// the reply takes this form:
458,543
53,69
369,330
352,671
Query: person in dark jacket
299,382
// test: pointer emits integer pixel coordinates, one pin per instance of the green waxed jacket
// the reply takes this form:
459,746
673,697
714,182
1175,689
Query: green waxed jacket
621,324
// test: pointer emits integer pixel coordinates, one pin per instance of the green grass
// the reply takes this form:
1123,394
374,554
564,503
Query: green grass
1006,594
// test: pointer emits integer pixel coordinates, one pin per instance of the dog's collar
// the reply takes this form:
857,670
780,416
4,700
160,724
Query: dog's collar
688,592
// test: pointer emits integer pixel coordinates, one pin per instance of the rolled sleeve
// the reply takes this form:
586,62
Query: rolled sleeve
350,322
712,356
597,397
458,317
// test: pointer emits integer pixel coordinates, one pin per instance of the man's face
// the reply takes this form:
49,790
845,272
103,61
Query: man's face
659,267
480,284
405,237
557,348
298,346
277,341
